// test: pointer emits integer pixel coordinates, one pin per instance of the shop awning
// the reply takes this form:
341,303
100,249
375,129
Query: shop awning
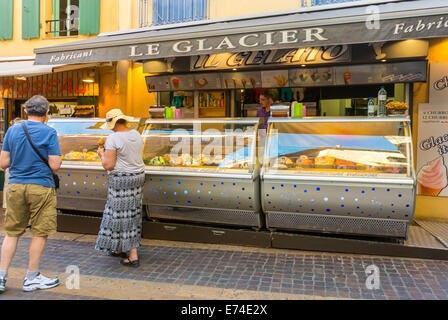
24,68
399,20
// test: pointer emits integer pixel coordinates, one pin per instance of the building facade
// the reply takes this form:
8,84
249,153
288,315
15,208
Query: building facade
122,83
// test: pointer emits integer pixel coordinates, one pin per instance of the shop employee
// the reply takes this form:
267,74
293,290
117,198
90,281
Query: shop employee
266,100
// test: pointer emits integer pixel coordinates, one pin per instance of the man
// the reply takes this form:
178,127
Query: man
266,100
31,194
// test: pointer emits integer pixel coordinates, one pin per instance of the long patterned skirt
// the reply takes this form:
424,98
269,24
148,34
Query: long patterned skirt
121,226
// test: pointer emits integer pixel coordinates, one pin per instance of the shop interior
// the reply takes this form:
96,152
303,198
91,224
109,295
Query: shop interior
337,101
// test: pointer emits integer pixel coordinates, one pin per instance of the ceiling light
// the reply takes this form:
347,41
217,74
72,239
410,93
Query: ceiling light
90,77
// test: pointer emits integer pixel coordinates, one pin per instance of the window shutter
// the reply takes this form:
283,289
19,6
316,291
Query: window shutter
89,17
30,19
6,13
177,11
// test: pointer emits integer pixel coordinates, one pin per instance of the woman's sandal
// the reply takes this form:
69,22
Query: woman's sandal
130,263
119,255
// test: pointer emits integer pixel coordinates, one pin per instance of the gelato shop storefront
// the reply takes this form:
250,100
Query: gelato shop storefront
333,161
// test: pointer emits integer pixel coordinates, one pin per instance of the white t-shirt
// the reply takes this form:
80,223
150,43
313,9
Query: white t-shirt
129,147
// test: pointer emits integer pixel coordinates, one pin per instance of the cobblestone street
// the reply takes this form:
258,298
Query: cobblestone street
179,270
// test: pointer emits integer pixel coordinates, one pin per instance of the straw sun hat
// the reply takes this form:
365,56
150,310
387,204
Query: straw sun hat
112,117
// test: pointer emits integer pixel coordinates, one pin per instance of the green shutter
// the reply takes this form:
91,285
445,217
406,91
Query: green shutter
55,25
30,19
6,12
89,17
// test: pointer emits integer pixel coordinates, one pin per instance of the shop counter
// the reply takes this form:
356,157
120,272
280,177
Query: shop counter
203,170
83,180
339,175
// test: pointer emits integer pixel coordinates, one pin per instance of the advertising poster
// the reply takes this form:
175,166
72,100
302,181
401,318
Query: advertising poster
275,79
432,150
158,83
205,81
438,89
182,82
381,73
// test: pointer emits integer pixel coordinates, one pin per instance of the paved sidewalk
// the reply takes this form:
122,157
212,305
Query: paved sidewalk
178,270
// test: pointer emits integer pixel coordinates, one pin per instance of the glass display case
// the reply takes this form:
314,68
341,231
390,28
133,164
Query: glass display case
343,175
83,181
203,170
209,146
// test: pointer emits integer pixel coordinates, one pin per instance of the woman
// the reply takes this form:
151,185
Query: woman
121,226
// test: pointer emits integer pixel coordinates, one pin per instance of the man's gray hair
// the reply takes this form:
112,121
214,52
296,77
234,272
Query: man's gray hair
37,106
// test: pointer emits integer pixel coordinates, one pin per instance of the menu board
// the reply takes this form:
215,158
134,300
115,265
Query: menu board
158,83
182,82
241,80
311,77
382,73
207,81
275,79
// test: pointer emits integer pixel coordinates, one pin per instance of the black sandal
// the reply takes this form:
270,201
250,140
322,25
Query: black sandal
130,263
118,255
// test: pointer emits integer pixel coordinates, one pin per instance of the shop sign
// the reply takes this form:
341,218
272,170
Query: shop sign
137,47
438,91
50,85
41,87
432,150
259,59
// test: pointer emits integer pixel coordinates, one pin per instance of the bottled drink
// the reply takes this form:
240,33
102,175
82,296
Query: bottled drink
382,97
201,100
371,108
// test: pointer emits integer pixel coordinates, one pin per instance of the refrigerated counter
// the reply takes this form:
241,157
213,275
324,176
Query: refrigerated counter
203,170
83,181
339,175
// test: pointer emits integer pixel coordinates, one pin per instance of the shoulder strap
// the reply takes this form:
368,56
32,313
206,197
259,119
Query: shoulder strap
33,146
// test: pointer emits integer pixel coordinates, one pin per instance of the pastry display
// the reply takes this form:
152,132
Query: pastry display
156,161
81,156
344,164
304,162
286,161
324,161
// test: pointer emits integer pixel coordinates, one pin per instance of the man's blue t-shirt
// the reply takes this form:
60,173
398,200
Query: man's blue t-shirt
26,166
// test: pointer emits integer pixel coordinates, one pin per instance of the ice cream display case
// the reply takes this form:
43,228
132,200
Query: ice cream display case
83,181
203,170
339,175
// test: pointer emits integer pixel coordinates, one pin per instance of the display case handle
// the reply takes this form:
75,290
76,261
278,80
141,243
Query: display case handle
169,228
218,233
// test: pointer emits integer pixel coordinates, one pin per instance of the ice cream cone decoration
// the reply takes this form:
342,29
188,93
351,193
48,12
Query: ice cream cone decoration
432,178
347,76
428,191
253,81
201,83
243,81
